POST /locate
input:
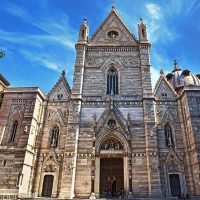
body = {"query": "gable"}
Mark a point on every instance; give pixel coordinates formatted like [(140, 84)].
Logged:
[(163, 90), (112, 113), (61, 91), (112, 31)]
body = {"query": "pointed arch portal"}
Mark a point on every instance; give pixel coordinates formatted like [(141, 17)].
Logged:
[(47, 186), (111, 167), (111, 177)]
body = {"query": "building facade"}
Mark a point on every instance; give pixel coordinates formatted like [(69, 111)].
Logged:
[(108, 135)]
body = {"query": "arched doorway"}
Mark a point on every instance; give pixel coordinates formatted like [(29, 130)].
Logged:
[(111, 177), (175, 185), (47, 185)]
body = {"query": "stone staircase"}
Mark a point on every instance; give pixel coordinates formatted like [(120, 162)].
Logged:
[(158, 198), (14, 197)]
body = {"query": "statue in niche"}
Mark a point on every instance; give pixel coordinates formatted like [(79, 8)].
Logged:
[(53, 143), (117, 145), (111, 144), (169, 138), (54, 137), (170, 141), (25, 129), (106, 146)]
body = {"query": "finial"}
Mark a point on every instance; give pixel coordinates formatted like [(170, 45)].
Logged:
[(161, 72), (85, 20), (63, 73), (2, 54), (176, 67), (175, 63), (141, 20), (113, 5)]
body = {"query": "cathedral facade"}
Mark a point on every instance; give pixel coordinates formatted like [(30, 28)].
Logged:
[(108, 135)]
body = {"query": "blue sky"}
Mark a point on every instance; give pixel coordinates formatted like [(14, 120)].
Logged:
[(38, 36)]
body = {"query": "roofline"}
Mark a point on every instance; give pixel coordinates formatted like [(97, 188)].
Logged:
[(25, 90), (99, 27), (158, 83), (6, 83)]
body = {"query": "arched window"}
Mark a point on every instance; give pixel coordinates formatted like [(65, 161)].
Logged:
[(112, 81), (169, 136), (83, 32), (143, 33), (13, 132), (54, 137)]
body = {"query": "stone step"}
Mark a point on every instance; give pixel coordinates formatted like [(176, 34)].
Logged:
[(160, 198)]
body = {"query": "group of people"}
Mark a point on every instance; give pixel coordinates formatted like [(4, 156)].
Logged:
[(183, 196), (108, 194)]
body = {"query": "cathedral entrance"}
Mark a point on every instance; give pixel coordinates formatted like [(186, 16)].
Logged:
[(175, 184), (111, 177), (47, 185)]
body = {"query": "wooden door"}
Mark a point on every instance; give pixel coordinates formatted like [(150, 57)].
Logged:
[(175, 184), (47, 185), (111, 177)]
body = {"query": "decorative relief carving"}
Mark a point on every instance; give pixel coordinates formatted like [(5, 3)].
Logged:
[(154, 165), (17, 110), (95, 62), (50, 168), (129, 61), (165, 113), (111, 144), (59, 115), (173, 167)]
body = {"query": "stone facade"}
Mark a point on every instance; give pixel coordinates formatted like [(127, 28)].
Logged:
[(110, 134)]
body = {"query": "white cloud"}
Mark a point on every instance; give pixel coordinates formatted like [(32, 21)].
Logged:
[(41, 59), (158, 29), (56, 38), (154, 11)]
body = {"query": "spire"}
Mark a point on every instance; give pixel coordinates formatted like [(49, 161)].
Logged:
[(142, 31), (84, 31)]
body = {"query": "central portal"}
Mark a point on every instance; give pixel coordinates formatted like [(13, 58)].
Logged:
[(111, 177)]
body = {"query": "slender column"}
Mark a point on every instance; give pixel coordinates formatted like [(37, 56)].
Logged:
[(126, 175), (97, 177), (55, 185), (2, 134)]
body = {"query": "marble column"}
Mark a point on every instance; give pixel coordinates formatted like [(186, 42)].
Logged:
[(126, 175), (97, 177)]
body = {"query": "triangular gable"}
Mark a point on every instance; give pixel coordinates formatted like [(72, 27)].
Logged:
[(172, 162), (168, 115), (56, 116), (112, 22), (61, 90), (112, 113), (164, 90)]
